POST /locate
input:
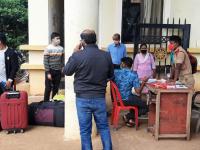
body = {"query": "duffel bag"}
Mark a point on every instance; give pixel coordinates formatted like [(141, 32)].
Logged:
[(50, 113)]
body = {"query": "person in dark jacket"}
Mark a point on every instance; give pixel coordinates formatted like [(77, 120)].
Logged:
[(92, 68), (8, 64)]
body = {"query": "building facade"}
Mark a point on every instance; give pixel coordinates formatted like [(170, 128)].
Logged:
[(71, 17)]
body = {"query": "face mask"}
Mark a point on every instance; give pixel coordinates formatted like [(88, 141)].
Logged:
[(143, 51), (171, 47), (116, 43)]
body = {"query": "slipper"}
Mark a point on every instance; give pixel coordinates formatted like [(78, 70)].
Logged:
[(125, 119), (130, 123)]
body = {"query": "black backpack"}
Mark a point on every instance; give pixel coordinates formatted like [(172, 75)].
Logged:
[(21, 74), (193, 62)]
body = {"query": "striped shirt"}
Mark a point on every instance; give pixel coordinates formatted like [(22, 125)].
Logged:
[(53, 57)]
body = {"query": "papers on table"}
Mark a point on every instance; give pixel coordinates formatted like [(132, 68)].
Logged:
[(181, 86), (171, 86), (168, 85), (177, 86), (151, 80)]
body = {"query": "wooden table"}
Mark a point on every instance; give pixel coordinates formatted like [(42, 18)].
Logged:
[(169, 112)]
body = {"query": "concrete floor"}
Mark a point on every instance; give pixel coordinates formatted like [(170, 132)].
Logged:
[(51, 138)]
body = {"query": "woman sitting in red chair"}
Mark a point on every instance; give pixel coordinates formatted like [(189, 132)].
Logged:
[(130, 89)]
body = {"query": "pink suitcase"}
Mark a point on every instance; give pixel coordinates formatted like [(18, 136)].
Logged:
[(14, 111)]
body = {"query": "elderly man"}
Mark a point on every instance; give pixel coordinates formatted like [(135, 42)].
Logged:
[(92, 68), (117, 51)]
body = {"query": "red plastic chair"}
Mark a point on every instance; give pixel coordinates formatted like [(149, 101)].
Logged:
[(118, 105)]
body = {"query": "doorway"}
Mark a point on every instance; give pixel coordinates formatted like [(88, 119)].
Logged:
[(56, 24)]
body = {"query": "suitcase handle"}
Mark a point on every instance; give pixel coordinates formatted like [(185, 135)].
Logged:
[(13, 94), (56, 101)]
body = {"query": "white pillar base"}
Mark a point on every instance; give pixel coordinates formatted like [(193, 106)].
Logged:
[(71, 123), (79, 15)]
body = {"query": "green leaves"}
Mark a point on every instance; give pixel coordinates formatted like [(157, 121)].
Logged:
[(14, 21)]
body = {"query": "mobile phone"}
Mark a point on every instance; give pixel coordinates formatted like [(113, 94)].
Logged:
[(82, 44)]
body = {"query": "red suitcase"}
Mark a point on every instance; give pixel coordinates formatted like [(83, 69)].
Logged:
[(14, 111)]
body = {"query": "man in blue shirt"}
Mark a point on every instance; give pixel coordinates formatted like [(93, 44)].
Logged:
[(117, 51), (129, 86)]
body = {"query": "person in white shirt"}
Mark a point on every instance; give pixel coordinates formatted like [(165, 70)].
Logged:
[(9, 64)]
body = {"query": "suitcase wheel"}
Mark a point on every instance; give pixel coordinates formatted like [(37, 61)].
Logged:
[(15, 131), (22, 130)]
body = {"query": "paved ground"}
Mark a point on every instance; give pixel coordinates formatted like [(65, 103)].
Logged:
[(51, 138)]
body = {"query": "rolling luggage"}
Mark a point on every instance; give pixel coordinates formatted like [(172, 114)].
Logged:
[(50, 113), (14, 111)]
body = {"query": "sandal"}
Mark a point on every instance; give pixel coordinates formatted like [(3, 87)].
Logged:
[(130, 123)]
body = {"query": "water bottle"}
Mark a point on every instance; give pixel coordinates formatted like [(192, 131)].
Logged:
[(168, 76), (3, 85)]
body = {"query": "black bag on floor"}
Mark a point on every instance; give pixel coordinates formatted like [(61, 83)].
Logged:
[(49, 113)]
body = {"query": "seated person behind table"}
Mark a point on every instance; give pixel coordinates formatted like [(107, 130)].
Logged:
[(126, 79), (117, 51)]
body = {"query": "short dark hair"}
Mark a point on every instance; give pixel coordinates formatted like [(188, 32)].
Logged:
[(54, 34), (143, 44), (116, 36), (127, 61), (89, 36), (176, 39), (3, 38)]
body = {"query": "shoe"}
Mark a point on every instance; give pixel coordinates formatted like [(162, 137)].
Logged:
[(130, 123)]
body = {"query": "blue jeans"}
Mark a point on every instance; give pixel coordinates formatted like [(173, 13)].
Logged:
[(85, 109)]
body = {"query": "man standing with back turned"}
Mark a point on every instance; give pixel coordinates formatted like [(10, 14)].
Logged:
[(92, 68)]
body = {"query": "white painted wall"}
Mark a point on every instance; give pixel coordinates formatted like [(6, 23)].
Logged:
[(79, 15), (166, 10), (38, 22), (110, 16), (188, 9), (42, 23)]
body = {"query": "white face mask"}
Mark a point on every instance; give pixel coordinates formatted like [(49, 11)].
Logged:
[(116, 42)]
